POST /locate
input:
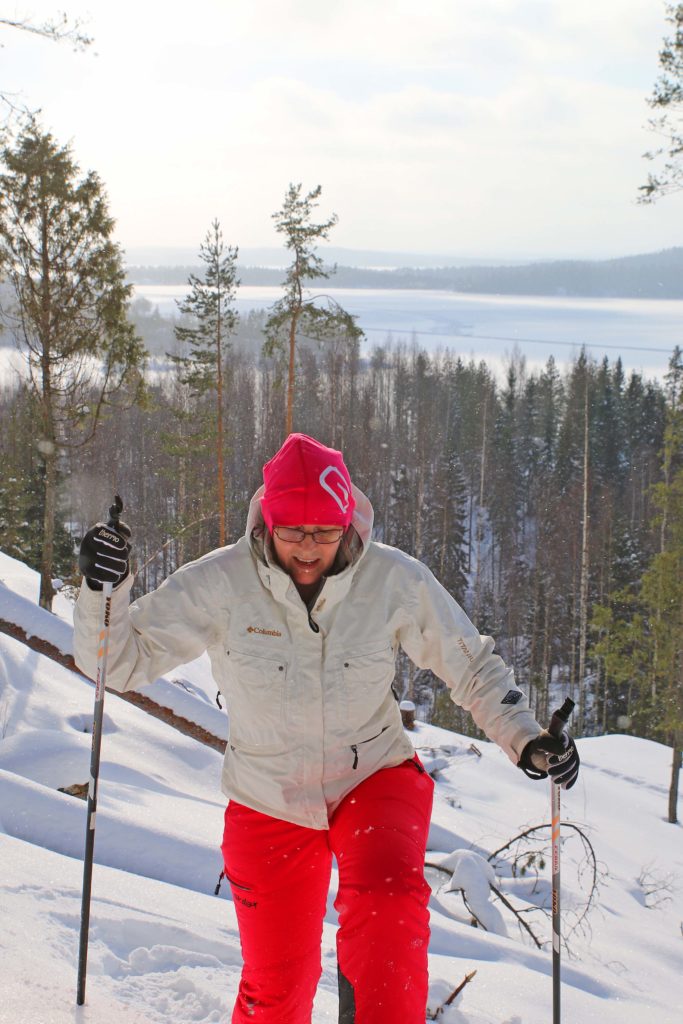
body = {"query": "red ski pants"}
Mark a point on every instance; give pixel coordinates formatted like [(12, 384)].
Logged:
[(280, 875)]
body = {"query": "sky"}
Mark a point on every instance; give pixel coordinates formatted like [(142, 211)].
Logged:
[(474, 128), (164, 949)]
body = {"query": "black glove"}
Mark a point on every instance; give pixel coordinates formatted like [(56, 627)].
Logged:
[(104, 555), (556, 756)]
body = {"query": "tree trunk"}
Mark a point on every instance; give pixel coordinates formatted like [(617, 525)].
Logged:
[(583, 587), (480, 517), (673, 789), (470, 513), (533, 643), (289, 422), (47, 552), (47, 446), (180, 508), (546, 667), (419, 499), (676, 738), (219, 436)]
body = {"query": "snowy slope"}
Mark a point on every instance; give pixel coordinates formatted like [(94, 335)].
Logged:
[(164, 948), (189, 690)]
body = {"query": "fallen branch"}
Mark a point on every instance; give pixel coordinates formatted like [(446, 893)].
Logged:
[(517, 914), (501, 897), (456, 992), (595, 872)]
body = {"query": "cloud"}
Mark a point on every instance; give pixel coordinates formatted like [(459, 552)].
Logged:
[(454, 124)]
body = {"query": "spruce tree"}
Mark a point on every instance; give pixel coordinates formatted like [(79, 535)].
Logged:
[(401, 519), (445, 543), (640, 636)]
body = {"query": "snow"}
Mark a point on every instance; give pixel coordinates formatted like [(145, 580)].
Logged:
[(164, 948), (474, 876), (19, 589), (189, 690)]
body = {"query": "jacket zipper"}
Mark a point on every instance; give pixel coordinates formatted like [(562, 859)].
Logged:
[(310, 607), (355, 746)]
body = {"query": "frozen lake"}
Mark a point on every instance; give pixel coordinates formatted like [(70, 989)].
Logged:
[(643, 331)]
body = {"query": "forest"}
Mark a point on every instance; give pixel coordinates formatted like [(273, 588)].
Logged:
[(485, 483)]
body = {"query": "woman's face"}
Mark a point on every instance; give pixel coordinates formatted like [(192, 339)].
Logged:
[(306, 562)]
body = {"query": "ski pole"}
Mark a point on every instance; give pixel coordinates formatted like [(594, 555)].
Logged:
[(101, 681), (557, 726)]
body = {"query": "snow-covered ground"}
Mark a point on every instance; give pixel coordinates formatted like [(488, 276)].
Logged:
[(189, 691), (164, 948)]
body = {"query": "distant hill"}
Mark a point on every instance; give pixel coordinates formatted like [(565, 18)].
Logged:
[(648, 276), (263, 256)]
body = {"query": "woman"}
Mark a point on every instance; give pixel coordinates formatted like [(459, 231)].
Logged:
[(302, 619)]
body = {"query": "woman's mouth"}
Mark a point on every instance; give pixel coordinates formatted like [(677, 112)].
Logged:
[(306, 564)]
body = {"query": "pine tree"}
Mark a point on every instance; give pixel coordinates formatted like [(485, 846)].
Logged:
[(667, 101), (212, 320), (316, 317), (68, 305)]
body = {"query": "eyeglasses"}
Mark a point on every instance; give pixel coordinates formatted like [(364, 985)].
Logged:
[(290, 535)]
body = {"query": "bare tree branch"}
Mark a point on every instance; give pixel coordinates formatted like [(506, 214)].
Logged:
[(57, 30)]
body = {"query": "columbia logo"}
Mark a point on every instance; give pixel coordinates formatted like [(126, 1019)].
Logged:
[(263, 632)]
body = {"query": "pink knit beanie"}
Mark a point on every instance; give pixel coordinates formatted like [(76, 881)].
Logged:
[(306, 482)]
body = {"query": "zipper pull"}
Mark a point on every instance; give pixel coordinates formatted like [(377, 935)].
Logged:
[(354, 748)]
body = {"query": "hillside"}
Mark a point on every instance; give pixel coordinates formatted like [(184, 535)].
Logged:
[(165, 949), (647, 276)]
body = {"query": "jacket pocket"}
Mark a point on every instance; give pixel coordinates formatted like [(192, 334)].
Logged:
[(360, 743), (367, 675), (257, 700)]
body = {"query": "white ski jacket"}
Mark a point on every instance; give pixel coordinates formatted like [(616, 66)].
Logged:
[(309, 696)]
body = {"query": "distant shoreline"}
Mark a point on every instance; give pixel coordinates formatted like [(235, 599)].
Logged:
[(650, 276)]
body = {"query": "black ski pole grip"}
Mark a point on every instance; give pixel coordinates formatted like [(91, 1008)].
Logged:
[(115, 511), (561, 717)]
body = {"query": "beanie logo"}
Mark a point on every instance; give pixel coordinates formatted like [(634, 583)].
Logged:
[(338, 489)]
